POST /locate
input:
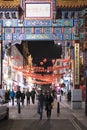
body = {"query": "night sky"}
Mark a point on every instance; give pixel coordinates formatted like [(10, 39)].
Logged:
[(44, 49)]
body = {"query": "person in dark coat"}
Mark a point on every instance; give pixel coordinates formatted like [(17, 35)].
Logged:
[(28, 94), (40, 103), (69, 96), (18, 94), (7, 96), (23, 97), (54, 93), (33, 95), (48, 103)]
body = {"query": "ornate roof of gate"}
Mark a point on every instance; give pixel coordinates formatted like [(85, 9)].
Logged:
[(59, 3), (9, 3), (71, 3)]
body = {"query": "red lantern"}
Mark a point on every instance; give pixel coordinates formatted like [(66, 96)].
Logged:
[(41, 63), (44, 60), (53, 61), (17, 57)]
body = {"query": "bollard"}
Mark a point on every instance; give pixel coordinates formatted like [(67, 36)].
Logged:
[(58, 108), (58, 105), (19, 107)]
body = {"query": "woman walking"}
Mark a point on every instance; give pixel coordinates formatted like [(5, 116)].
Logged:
[(49, 101)]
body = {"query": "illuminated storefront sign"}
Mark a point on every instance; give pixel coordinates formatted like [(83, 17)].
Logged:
[(76, 71)]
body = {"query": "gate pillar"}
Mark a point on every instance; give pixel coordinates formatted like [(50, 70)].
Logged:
[(76, 94)]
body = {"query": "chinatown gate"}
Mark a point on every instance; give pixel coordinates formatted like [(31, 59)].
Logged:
[(41, 24)]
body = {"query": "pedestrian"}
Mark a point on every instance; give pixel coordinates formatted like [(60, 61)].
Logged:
[(23, 97), (54, 93), (48, 103), (40, 103), (18, 94), (69, 96), (12, 96), (33, 95), (7, 96), (28, 94)]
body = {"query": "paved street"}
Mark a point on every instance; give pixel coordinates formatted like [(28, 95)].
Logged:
[(32, 124), (29, 119)]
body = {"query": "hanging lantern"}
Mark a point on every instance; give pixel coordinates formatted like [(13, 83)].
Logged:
[(12, 57), (53, 61), (41, 63), (17, 57), (44, 60)]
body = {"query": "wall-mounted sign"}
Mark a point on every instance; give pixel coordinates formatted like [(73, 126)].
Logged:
[(38, 37), (76, 66), (38, 10), (37, 23), (37, 29)]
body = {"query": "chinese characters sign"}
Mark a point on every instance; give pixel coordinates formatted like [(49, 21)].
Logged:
[(38, 10), (76, 71)]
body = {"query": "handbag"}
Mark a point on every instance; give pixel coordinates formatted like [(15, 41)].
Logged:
[(52, 104)]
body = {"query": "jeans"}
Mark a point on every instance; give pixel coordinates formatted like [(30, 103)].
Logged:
[(40, 111)]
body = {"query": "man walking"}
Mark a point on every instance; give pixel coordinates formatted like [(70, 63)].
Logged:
[(40, 104), (28, 94), (33, 95)]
